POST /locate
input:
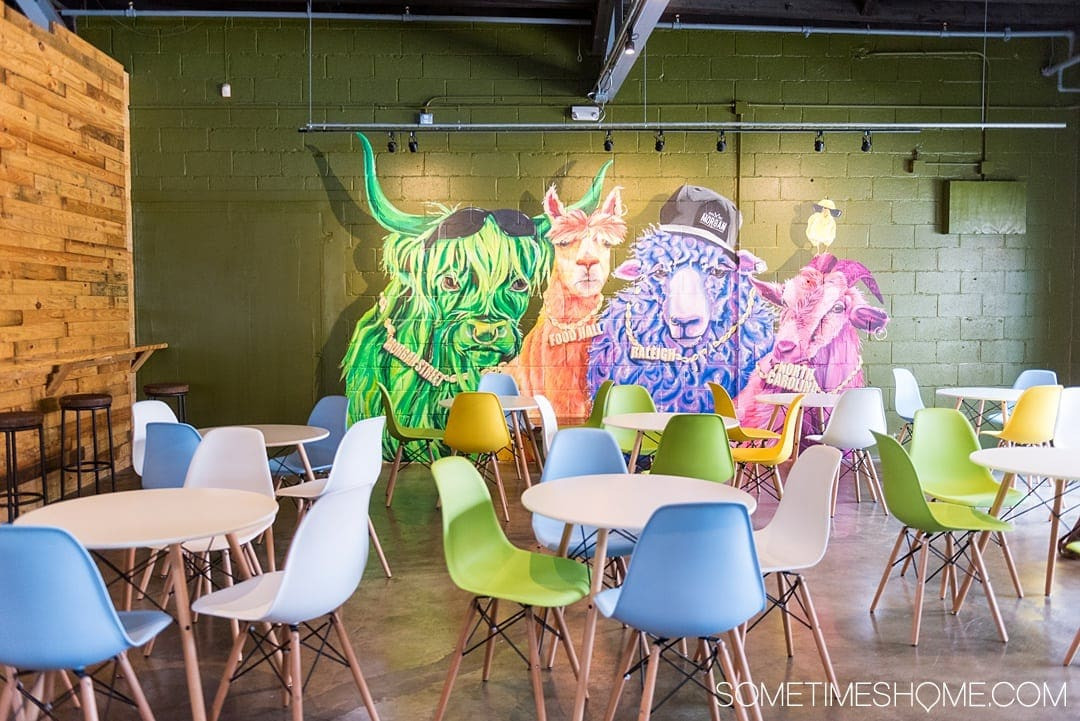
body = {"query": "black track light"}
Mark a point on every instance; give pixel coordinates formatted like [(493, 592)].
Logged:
[(867, 141), (629, 48), (609, 143), (391, 144), (414, 144), (721, 142), (819, 142), (659, 141)]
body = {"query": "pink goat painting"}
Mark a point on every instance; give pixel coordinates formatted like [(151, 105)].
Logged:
[(817, 346), (554, 353)]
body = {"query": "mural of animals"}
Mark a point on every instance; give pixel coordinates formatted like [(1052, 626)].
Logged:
[(817, 341), (555, 352), (692, 309)]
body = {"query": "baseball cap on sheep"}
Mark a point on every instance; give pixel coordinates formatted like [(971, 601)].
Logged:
[(703, 213)]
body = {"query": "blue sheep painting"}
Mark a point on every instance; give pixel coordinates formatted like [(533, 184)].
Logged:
[(690, 315)]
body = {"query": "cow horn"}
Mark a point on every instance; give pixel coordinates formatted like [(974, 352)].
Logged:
[(587, 203), (384, 211), (855, 271)]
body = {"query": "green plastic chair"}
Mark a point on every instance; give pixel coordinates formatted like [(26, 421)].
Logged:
[(927, 523), (695, 445), (942, 441), (630, 399), (483, 562), (596, 413), (405, 435)]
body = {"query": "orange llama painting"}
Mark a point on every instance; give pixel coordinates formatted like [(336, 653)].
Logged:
[(554, 354)]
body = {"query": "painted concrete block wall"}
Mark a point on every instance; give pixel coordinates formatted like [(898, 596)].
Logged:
[(255, 251)]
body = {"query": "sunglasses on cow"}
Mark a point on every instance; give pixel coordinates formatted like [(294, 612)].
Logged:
[(463, 223)]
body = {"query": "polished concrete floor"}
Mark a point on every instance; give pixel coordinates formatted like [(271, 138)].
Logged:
[(404, 629)]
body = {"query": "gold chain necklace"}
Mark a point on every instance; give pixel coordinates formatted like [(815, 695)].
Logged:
[(670, 355), (425, 370), (801, 379), (589, 318)]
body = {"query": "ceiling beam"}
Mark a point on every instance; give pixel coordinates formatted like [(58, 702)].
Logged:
[(636, 28), (40, 12), (602, 25)]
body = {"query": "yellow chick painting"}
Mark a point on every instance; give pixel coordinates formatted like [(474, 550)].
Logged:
[(821, 227)]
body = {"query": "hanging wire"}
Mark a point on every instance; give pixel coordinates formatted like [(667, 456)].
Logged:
[(310, 28)]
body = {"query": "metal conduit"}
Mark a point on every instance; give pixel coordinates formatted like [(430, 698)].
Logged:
[(736, 127)]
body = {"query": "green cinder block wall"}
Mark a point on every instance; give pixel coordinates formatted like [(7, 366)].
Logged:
[(255, 251)]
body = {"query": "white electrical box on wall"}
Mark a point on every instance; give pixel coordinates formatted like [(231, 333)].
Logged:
[(589, 113)]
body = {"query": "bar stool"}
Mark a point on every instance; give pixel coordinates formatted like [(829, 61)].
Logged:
[(78, 404), (163, 391), (11, 423)]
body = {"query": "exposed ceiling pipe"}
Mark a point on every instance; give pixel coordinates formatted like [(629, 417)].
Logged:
[(689, 127), (288, 15)]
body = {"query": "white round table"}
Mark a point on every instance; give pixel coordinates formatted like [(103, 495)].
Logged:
[(649, 422), (616, 500), (975, 398), (516, 407), (1060, 464), (156, 518), (276, 435)]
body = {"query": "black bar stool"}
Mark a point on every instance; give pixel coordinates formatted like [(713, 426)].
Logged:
[(164, 391), (78, 404), (11, 423)]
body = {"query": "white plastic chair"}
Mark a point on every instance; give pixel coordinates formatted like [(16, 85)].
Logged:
[(1067, 429), (357, 462), (796, 539), (906, 401), (143, 412), (549, 424), (322, 570), (858, 412)]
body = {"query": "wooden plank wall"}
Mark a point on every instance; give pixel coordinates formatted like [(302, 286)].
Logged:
[(65, 224)]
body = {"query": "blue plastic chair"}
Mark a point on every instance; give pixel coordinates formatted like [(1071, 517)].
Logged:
[(331, 413), (57, 612), (500, 384), (694, 574), (169, 448), (580, 452)]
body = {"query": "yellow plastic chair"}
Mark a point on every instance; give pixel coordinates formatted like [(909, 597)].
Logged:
[(762, 463), (723, 405), (1034, 419), (476, 426)]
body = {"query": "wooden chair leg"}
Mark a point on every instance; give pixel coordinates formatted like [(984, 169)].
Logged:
[(552, 648), (136, 689), (86, 693), (393, 473), (738, 647), (1010, 564), (489, 645), (621, 670), (778, 482), (226, 561), (271, 557), (455, 662), (652, 669), (7, 695), (226, 678), (815, 629), (991, 599), (65, 679), (378, 549), (888, 567), (788, 641), (710, 679), (876, 481), (1073, 647), (947, 568), (297, 674), (908, 560), (920, 588), (499, 486), (354, 666), (144, 584), (567, 643), (732, 679), (856, 475), (129, 568), (534, 663)]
